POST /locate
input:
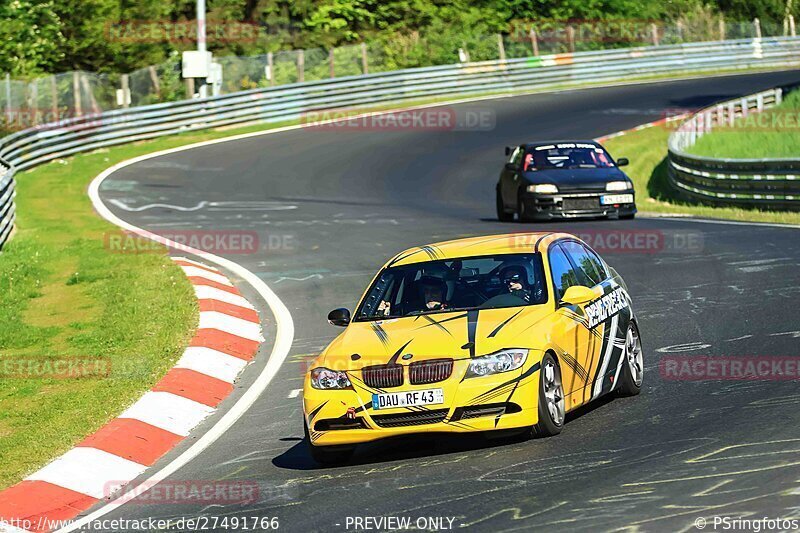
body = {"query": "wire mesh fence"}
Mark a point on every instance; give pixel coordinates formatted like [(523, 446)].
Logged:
[(58, 97)]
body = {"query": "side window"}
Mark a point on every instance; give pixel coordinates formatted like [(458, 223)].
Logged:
[(598, 263), (561, 271), (516, 156), (586, 270)]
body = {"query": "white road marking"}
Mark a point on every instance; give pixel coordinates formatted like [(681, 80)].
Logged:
[(196, 263), (205, 274), (204, 292), (294, 393), (88, 471), (231, 324), (168, 411), (211, 363), (126, 207)]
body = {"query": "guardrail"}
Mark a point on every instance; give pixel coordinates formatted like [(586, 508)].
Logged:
[(769, 183), (7, 207), (33, 146)]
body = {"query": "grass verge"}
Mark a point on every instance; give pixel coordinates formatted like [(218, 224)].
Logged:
[(771, 133), (647, 150)]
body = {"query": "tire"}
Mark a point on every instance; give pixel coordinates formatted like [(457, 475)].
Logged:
[(522, 215), (551, 399), (630, 384), (502, 214), (328, 455)]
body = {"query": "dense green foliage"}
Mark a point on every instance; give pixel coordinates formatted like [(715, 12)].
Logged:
[(40, 36)]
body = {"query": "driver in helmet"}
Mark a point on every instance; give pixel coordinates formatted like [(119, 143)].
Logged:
[(433, 293), (515, 279)]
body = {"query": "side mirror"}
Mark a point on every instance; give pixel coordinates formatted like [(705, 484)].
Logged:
[(339, 317), (622, 161), (511, 166), (578, 295), (509, 150)]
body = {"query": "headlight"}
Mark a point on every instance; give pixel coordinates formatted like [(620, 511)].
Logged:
[(496, 363), (543, 188), (325, 379), (618, 186)]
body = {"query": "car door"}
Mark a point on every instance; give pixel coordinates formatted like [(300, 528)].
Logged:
[(509, 178), (570, 332), (608, 335)]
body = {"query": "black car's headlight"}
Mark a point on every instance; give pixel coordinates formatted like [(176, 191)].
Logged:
[(327, 379), (543, 188), (502, 361), (618, 186)]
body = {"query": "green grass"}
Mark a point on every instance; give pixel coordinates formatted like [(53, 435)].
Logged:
[(64, 295), (772, 133), (647, 150)]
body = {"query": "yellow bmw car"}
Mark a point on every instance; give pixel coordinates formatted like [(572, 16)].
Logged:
[(507, 332)]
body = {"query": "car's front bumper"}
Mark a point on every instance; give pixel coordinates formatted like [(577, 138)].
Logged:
[(501, 401), (574, 205)]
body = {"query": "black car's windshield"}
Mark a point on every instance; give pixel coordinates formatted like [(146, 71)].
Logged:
[(487, 282), (566, 156)]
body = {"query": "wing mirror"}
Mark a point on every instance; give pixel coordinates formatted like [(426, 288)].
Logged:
[(578, 295), (339, 317), (622, 161)]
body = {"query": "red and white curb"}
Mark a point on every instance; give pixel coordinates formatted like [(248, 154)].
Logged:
[(660, 122), (226, 340)]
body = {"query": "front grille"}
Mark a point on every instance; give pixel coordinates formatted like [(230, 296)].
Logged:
[(383, 376), (410, 419), (430, 371), (580, 204)]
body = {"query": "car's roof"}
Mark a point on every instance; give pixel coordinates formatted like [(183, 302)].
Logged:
[(509, 243), (562, 141)]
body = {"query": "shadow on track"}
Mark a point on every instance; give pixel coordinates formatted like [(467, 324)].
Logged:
[(423, 445)]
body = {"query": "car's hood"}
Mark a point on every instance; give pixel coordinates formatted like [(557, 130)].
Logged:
[(457, 335), (579, 178)]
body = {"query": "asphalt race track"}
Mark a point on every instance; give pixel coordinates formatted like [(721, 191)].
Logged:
[(330, 206)]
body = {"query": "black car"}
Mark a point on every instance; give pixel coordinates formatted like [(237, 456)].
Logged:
[(563, 179)]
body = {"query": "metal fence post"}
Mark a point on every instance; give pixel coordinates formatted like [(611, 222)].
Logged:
[(791, 26), (126, 89), (34, 101), (654, 33), (757, 27), (534, 42), (301, 66), (331, 67), (571, 38), (364, 64), (154, 79), (679, 26), (76, 94), (53, 97), (8, 97), (271, 68), (721, 28), (500, 48)]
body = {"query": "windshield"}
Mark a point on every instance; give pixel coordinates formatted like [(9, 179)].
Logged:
[(487, 282), (566, 156)]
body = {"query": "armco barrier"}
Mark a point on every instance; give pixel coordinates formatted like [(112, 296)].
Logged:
[(769, 183), (33, 146)]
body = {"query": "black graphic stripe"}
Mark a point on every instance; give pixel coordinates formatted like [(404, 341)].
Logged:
[(576, 367), (536, 246), (393, 360), (316, 411), (381, 333), (521, 377), (434, 322), (503, 324), (472, 327)]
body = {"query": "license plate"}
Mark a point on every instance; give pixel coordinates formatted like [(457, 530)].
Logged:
[(616, 199), (392, 400)]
